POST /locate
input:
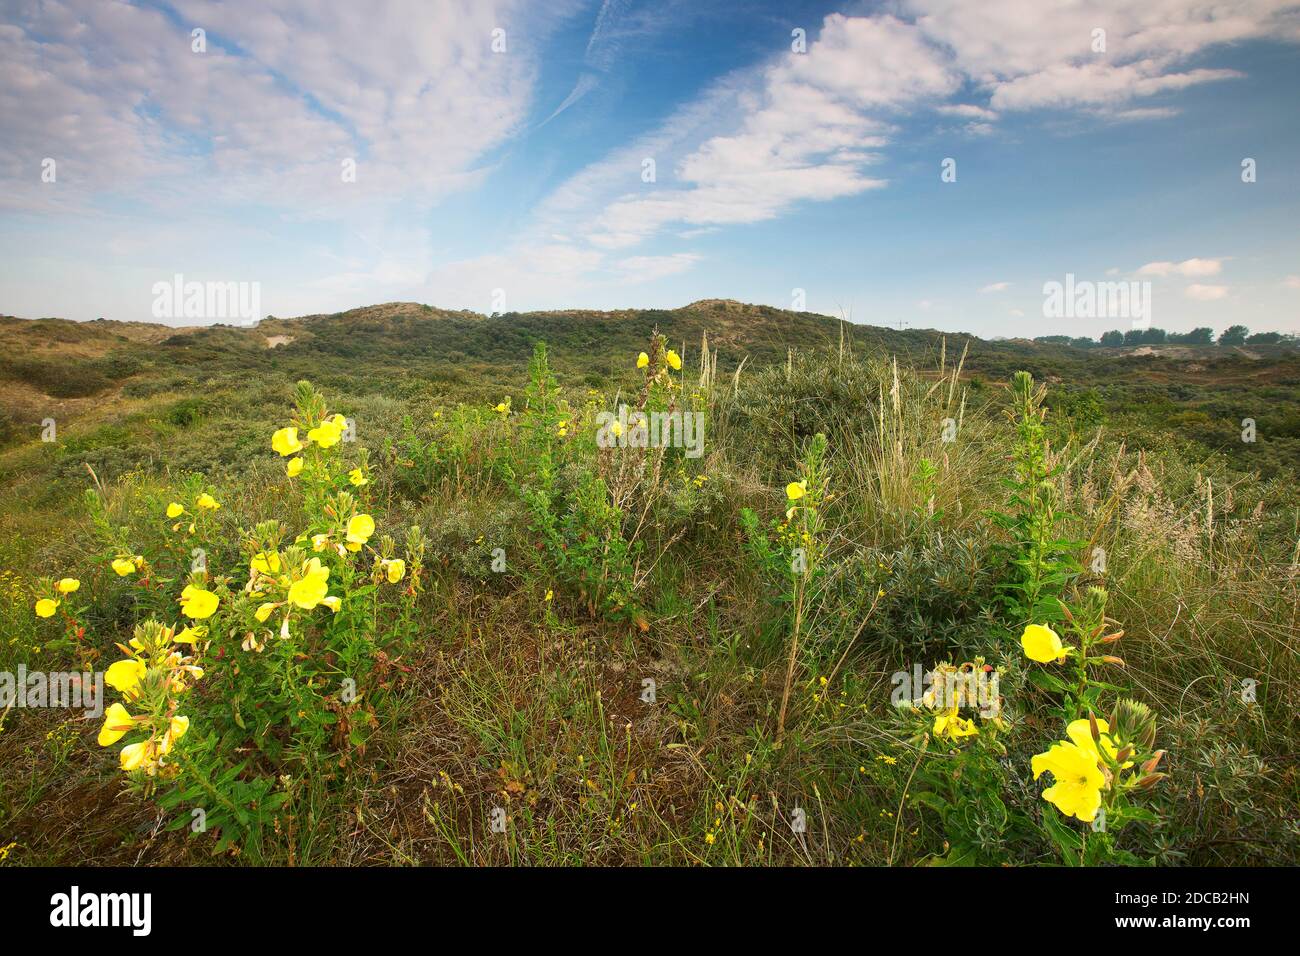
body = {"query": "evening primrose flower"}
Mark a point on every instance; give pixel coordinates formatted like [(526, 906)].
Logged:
[(263, 612), (189, 635), (294, 467), (205, 500), (1079, 781), (46, 607), (117, 721), (396, 569), (333, 602), (954, 727), (125, 676), (674, 360), (285, 441), (796, 490), (175, 509), (177, 729), (267, 562), (1080, 731), (357, 478), (1041, 643), (197, 603), (327, 433), (133, 756), (642, 360), (124, 566), (360, 528), (68, 585), (309, 590)]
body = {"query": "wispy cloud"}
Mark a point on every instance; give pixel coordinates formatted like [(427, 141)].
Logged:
[(1205, 293), (1189, 268)]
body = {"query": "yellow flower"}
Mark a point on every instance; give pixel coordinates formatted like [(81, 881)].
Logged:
[(1042, 644), (133, 756), (68, 585), (642, 360), (550, 595), (189, 635), (175, 509), (357, 478), (267, 562), (360, 528), (615, 429), (674, 360), (178, 728), (310, 589), (197, 603), (502, 407), (205, 500), (116, 723), (294, 468), (396, 570), (796, 490), (319, 542), (954, 727), (285, 441), (333, 602), (263, 612), (46, 608), (327, 433), (124, 566), (1077, 790), (1080, 732), (708, 838), (125, 676)]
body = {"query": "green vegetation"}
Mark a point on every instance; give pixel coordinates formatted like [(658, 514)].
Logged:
[(640, 656)]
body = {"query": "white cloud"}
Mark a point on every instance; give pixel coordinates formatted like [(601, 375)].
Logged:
[(966, 111), (1040, 55), (283, 94), (1189, 268), (1205, 293), (1291, 282), (649, 268), (996, 287)]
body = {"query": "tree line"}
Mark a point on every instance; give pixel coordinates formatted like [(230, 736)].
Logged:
[(1232, 335)]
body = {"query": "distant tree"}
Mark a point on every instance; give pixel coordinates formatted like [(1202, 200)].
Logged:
[(1112, 339), (1082, 342), (1264, 338), (1133, 337), (1234, 335), (1054, 339), (1155, 336), (1198, 336)]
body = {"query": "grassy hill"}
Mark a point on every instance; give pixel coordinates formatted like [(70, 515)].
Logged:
[(945, 504)]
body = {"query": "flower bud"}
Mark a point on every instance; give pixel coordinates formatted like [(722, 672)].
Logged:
[(1151, 764)]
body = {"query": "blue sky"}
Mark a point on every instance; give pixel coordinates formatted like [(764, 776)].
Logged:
[(513, 178)]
